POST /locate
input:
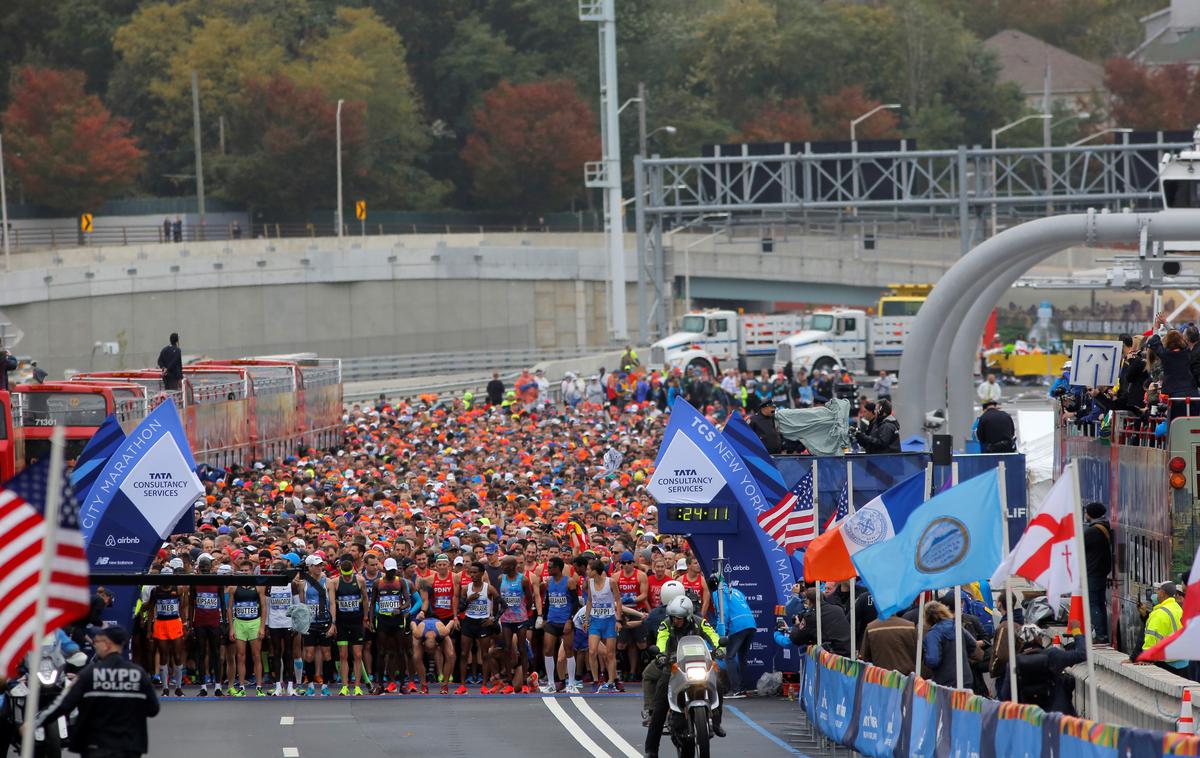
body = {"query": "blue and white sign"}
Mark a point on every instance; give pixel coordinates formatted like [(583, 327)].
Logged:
[(146, 487), (1095, 363)]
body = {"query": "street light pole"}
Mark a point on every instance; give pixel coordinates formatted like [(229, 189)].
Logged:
[(1101, 133), (199, 154), (338, 129), (996, 133), (4, 208), (854, 140), (641, 98)]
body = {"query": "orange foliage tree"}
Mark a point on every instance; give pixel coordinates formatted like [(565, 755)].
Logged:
[(529, 144), (1158, 98), (69, 152)]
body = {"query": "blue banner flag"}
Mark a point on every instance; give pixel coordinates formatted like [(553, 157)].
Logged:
[(147, 486), (954, 538), (699, 465), (95, 454)]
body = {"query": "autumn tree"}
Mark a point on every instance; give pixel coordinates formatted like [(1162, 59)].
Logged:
[(1143, 98), (837, 109), (529, 145), (283, 147), (784, 121), (67, 149)]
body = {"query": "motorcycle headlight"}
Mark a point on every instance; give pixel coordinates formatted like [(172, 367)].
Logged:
[(695, 672)]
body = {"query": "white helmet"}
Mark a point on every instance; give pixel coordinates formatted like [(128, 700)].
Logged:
[(680, 607), (671, 590)]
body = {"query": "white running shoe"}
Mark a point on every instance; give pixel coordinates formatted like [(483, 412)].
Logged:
[(278, 689), (548, 689), (291, 689), (572, 688)]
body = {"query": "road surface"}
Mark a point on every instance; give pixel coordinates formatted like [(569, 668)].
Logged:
[(603, 726)]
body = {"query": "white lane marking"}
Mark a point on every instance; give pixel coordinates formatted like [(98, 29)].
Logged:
[(287, 720), (291, 752), (612, 735), (573, 729)]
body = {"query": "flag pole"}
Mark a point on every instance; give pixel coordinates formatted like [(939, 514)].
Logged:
[(921, 595), (1093, 705), (853, 579), (54, 485), (1008, 597), (817, 513), (958, 627)]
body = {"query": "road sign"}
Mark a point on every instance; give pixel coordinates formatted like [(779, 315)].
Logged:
[(85, 222), (360, 210), (1095, 363)]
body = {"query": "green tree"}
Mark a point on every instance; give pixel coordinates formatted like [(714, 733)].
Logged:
[(739, 56), (362, 59)]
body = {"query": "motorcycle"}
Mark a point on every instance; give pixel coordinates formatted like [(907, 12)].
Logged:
[(52, 672), (692, 696)]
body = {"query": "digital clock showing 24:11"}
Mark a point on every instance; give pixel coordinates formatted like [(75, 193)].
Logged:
[(698, 513)]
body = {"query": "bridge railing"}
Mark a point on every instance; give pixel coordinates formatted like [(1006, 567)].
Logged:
[(373, 368)]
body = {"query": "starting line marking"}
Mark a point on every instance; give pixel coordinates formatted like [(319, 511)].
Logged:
[(287, 720), (291, 752), (573, 729), (616, 739)]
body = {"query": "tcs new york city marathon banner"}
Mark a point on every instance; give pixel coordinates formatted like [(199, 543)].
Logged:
[(717, 474), (145, 489)]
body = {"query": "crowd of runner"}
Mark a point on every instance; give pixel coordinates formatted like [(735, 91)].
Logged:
[(506, 545)]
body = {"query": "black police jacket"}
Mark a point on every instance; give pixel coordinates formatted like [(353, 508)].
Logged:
[(114, 697)]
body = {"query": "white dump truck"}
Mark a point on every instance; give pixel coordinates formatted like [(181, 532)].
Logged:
[(854, 339), (712, 340)]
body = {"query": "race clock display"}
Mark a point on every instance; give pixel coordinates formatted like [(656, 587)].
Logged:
[(698, 519)]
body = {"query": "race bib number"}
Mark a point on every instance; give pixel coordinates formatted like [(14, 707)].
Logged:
[(558, 601), (477, 608), (442, 601), (389, 604), (168, 607), (245, 610), (280, 602), (512, 599), (207, 602), (603, 611), (348, 605), (628, 597)]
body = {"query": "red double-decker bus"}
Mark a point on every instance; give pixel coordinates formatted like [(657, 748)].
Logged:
[(78, 407), (12, 439)]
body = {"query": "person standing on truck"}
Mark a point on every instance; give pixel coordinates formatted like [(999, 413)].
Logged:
[(629, 359), (170, 360), (1097, 551)]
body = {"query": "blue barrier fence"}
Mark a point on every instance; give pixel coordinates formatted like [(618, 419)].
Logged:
[(885, 714)]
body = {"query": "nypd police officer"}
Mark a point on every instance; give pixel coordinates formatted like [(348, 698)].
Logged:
[(114, 697)]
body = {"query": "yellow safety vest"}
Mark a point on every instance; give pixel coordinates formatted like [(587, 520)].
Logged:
[(1164, 620)]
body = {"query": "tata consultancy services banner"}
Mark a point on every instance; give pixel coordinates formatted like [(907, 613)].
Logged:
[(147, 485)]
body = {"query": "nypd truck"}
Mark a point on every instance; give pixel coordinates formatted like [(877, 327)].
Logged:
[(712, 340)]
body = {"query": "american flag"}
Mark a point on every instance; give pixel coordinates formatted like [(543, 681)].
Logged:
[(792, 522), (842, 510), (22, 540)]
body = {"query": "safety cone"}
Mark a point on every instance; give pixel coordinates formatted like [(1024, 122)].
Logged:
[(1057, 640), (1186, 725)]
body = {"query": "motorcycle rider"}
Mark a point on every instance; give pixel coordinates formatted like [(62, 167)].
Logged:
[(114, 697), (681, 622)]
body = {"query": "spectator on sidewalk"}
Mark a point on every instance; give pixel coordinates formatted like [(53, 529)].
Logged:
[(989, 390)]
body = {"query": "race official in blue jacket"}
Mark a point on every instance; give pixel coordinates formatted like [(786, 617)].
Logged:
[(734, 620)]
